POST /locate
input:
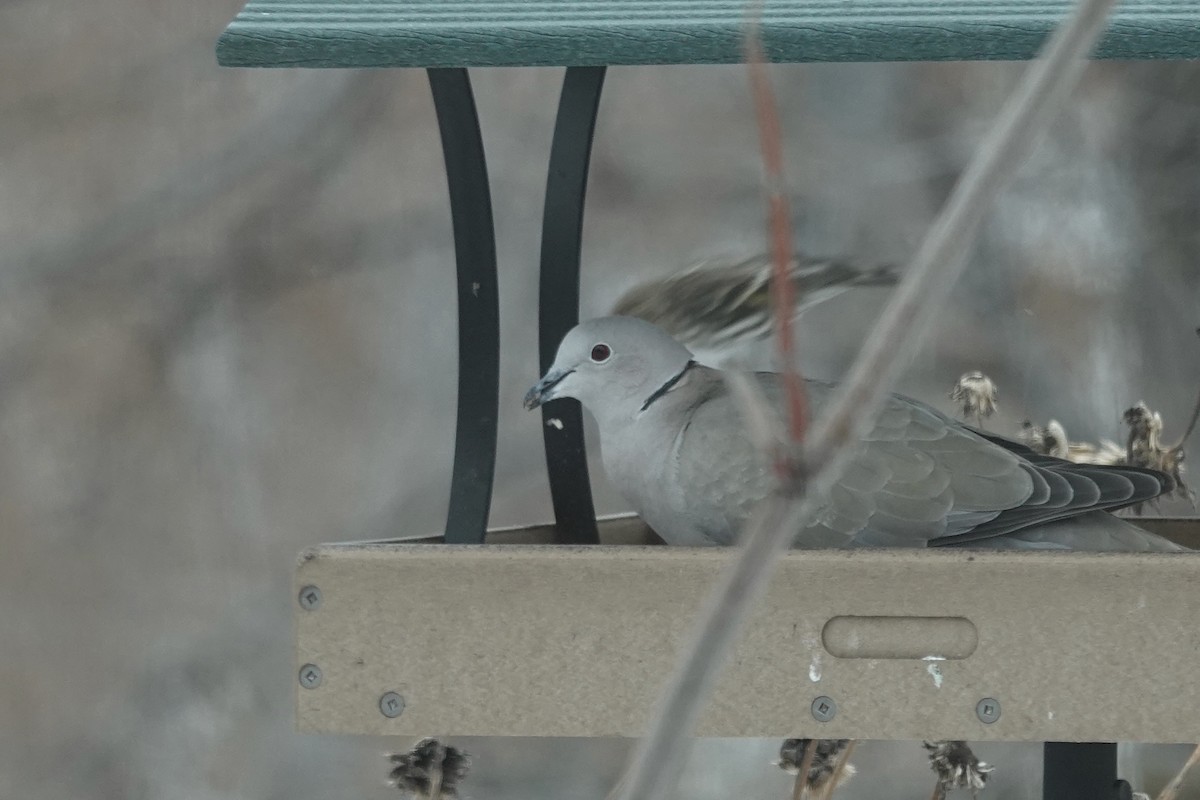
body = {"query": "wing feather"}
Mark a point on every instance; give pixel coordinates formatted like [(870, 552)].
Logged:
[(917, 479)]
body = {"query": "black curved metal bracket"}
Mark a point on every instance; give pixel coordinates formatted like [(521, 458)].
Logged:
[(478, 307), (558, 300)]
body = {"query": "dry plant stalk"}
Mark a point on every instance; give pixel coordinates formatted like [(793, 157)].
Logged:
[(1171, 791), (657, 760), (1191, 426), (800, 787), (779, 220), (762, 424), (841, 767), (1144, 447)]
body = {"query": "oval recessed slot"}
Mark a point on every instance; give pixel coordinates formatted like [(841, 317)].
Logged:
[(932, 638)]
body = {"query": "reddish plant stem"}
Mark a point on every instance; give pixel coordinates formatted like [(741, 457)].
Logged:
[(657, 760), (783, 291)]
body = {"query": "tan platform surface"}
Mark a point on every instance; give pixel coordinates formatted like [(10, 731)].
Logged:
[(533, 640)]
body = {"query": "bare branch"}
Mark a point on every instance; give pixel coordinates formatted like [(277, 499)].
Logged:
[(1172, 788), (834, 779), (762, 423), (800, 787), (655, 764), (783, 299), (1191, 426)]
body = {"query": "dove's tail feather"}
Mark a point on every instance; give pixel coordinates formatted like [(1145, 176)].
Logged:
[(1064, 489), (1097, 531)]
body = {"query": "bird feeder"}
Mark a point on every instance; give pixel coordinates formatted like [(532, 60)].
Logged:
[(527, 632)]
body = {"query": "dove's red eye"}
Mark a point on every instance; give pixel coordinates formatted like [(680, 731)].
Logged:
[(600, 353)]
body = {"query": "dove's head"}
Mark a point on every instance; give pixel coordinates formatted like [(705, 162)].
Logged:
[(613, 366)]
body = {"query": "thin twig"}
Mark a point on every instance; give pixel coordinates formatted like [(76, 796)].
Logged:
[(843, 759), (761, 421), (1191, 426), (435, 779), (800, 787), (1172, 788), (779, 215), (655, 764)]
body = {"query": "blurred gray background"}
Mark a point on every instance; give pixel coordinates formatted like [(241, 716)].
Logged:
[(227, 332)]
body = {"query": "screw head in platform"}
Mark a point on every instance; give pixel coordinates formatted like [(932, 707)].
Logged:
[(824, 708), (310, 598), (310, 676), (988, 710), (391, 705)]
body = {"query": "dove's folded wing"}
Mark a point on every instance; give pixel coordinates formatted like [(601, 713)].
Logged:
[(918, 479)]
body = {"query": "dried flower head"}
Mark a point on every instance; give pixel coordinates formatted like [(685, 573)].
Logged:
[(1049, 441), (824, 763), (1145, 434), (1144, 448), (957, 767), (975, 394), (1052, 441), (1106, 452), (430, 770)]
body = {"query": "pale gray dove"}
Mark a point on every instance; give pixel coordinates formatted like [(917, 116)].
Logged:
[(674, 444)]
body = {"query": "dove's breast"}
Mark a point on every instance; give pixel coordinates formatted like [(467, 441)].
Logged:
[(717, 477)]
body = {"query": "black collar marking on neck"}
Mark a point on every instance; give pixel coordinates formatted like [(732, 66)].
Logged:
[(668, 386)]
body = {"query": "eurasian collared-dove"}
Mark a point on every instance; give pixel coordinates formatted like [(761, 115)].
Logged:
[(674, 444)]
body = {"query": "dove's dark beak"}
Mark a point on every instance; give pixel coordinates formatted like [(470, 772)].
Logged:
[(543, 390)]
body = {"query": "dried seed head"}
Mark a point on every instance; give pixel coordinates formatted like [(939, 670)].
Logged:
[(1052, 441), (824, 762), (1145, 433), (956, 766), (1144, 448), (430, 770), (975, 394), (1106, 452), (1034, 437), (1056, 434), (1049, 441)]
